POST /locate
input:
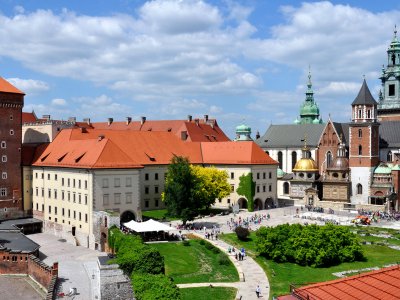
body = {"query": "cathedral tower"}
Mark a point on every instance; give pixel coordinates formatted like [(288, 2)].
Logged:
[(389, 97), (363, 144)]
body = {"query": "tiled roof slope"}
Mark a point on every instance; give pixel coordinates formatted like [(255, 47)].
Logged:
[(389, 132), (28, 117), (383, 284), (235, 153), (197, 130), (278, 136), (6, 87), (95, 148), (364, 96)]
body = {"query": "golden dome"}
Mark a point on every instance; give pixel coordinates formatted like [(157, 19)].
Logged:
[(306, 165)]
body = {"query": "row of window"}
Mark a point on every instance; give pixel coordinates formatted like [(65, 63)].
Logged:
[(75, 182), (64, 196), (147, 190), (64, 213), (147, 202), (359, 188), (117, 182), (258, 175), (147, 176), (117, 198)]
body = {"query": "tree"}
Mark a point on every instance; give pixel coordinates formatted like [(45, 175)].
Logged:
[(177, 193), (247, 188), (210, 184)]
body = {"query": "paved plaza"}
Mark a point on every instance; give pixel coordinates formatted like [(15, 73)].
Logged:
[(77, 265), (19, 287)]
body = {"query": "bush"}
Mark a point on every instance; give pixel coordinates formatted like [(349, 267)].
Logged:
[(242, 233), (186, 243), (223, 259), (141, 260), (202, 242), (150, 287), (216, 250), (208, 246)]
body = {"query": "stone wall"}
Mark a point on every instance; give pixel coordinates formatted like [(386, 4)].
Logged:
[(30, 265)]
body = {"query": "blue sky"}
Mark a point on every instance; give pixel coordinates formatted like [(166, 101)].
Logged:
[(237, 61)]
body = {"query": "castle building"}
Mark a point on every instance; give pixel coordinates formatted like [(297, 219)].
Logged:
[(389, 96), (11, 103)]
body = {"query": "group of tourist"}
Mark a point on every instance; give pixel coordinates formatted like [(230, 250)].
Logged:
[(255, 219)]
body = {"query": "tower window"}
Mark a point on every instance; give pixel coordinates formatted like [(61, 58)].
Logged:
[(389, 156), (4, 158), (328, 159), (4, 175), (360, 113), (369, 114), (359, 150), (360, 133), (280, 159), (11, 131), (391, 90), (359, 189), (3, 144)]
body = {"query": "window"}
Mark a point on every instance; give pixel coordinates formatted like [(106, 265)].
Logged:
[(62, 211), (146, 190), (270, 188), (69, 182), (117, 182), (79, 198), (74, 214), (80, 216), (49, 193), (79, 184), (156, 189), (156, 202), (264, 188), (62, 181), (258, 175), (258, 188), (286, 188), (37, 191), (55, 210), (359, 150), (105, 199), (105, 182), (232, 188), (69, 213), (85, 199), (146, 176), (232, 175), (73, 182), (360, 113), (69, 196), (117, 198), (62, 195), (369, 114), (42, 192), (4, 175), (359, 189), (294, 158), (85, 184), (11, 131), (48, 176), (55, 177), (3, 192), (156, 176), (128, 181), (128, 198), (74, 197), (146, 203), (86, 218), (328, 159), (391, 90), (36, 175), (390, 156), (49, 209), (270, 175), (11, 117), (280, 159), (3, 144), (229, 201), (360, 133), (264, 175), (4, 158)]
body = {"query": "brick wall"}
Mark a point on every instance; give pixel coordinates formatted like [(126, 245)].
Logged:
[(370, 151), (25, 263)]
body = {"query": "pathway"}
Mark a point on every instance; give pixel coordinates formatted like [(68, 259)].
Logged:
[(250, 274)]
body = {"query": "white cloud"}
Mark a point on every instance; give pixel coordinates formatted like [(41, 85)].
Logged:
[(29, 86), (59, 102)]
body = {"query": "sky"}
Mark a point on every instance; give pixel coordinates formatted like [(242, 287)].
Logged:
[(237, 61)]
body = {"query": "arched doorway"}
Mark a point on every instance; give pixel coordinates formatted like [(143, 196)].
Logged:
[(127, 216), (103, 241), (242, 203), (269, 203), (258, 204)]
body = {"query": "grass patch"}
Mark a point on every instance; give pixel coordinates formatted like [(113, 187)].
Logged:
[(281, 275), (159, 214), (207, 293), (195, 263)]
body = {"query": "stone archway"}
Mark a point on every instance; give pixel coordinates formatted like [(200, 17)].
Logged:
[(258, 205), (103, 242), (269, 203), (242, 202), (127, 216)]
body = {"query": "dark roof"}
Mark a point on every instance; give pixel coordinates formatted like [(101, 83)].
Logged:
[(342, 130), (17, 242), (389, 132), (12, 224), (364, 96), (291, 135)]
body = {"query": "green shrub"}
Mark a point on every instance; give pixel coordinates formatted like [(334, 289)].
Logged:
[(151, 287), (202, 242), (216, 250), (242, 233), (208, 246), (141, 260), (186, 243), (223, 259)]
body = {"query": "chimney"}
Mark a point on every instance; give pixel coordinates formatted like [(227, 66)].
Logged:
[(189, 118), (72, 120), (128, 120), (258, 135), (184, 135), (46, 117), (100, 137), (205, 118), (87, 121), (83, 130), (143, 120), (110, 120), (197, 121)]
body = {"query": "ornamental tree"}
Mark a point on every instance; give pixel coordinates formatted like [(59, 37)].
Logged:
[(247, 188)]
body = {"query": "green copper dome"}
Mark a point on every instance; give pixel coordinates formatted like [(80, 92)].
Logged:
[(243, 133), (280, 173), (383, 169)]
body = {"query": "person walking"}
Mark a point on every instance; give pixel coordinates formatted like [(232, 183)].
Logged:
[(258, 291)]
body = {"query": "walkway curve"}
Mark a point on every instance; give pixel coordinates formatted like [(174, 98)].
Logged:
[(250, 275)]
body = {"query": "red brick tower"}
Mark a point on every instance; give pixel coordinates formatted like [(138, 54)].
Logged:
[(11, 103), (363, 144)]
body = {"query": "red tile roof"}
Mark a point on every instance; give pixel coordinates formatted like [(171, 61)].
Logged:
[(383, 284), (28, 117), (77, 148), (198, 130), (6, 87)]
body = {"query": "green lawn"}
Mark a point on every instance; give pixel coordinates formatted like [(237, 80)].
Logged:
[(282, 274), (160, 214), (194, 263), (207, 293)]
